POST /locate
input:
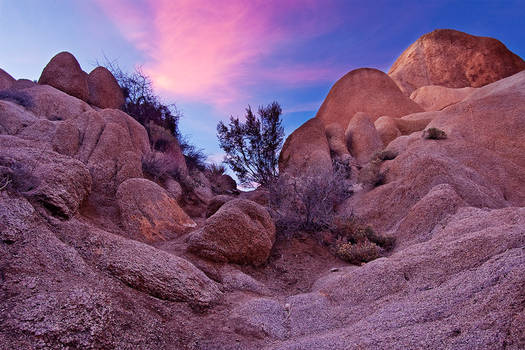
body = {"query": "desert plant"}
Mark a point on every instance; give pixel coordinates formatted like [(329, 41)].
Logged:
[(4, 182), (308, 202), (18, 97), (434, 134), (384, 155), (371, 176), (356, 253), (159, 165), (252, 147)]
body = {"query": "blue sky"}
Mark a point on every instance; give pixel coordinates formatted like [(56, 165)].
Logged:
[(213, 58)]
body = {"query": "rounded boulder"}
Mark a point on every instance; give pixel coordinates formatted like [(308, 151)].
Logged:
[(240, 232), (63, 72)]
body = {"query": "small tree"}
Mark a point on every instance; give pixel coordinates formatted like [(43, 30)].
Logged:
[(252, 147)]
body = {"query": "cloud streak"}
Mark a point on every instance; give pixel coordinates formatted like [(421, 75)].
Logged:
[(214, 51)]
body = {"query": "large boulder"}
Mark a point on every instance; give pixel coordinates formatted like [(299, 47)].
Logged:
[(149, 213), (306, 149), (362, 138), (104, 91), (6, 80), (364, 90), (387, 129), (453, 59), (240, 232), (435, 98), (335, 135), (63, 72), (482, 159), (59, 183), (53, 104)]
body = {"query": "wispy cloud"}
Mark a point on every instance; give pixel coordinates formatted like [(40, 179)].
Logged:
[(213, 51)]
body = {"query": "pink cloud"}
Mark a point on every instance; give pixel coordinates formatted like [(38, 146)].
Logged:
[(211, 50)]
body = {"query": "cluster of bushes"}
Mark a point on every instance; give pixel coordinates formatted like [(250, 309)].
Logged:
[(18, 97), (308, 204)]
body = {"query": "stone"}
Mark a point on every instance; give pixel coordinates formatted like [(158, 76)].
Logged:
[(453, 59), (149, 213), (240, 232), (104, 90), (6, 80), (364, 90), (216, 203), (362, 138), (387, 129), (306, 149), (59, 183), (64, 73), (336, 141), (436, 98)]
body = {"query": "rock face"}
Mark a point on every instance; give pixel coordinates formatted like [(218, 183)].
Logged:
[(453, 59), (435, 98), (64, 73), (149, 213), (362, 138), (5, 80), (240, 232), (104, 91), (364, 90), (306, 148)]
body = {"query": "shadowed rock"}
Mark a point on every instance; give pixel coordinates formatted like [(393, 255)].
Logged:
[(104, 91)]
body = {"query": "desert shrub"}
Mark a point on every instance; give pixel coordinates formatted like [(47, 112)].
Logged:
[(194, 156), (17, 176), (356, 253), (252, 147), (159, 166), (385, 155), (371, 176), (434, 134), (358, 243), (18, 97), (160, 138), (308, 202)]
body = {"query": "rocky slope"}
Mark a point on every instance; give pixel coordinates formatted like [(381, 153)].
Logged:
[(95, 256)]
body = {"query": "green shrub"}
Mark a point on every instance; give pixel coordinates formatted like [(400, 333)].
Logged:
[(434, 134)]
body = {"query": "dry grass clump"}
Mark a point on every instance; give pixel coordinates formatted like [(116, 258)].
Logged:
[(371, 176), (18, 97), (159, 166), (434, 134), (384, 155), (357, 243)]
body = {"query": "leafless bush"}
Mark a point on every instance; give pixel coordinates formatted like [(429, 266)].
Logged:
[(159, 166), (308, 202), (18, 97), (17, 176)]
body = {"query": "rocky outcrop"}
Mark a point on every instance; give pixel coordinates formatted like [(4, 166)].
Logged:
[(481, 159), (306, 149), (435, 98), (216, 203), (64, 73), (6, 80), (59, 183), (362, 138), (336, 141), (149, 213), (104, 91), (240, 232), (364, 90), (453, 59), (387, 129)]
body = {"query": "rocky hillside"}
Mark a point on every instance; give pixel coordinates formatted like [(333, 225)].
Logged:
[(94, 254)]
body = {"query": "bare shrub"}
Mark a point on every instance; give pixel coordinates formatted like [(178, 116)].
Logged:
[(18, 97), (17, 176), (434, 134), (308, 202), (159, 166)]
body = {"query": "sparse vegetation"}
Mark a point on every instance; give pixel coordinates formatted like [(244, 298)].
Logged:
[(384, 155), (308, 202), (18, 97), (434, 134), (357, 243), (371, 175), (146, 107), (252, 147)]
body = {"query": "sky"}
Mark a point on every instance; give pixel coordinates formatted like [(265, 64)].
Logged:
[(213, 58)]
